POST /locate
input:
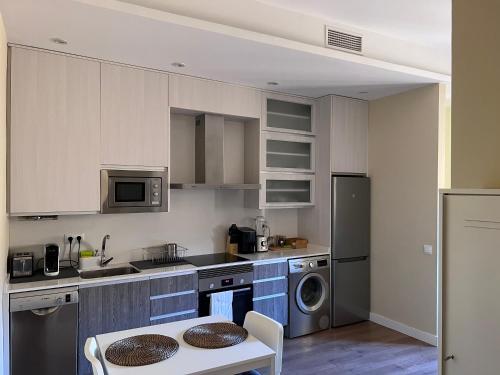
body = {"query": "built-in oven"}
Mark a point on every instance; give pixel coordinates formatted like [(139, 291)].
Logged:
[(124, 191), (239, 279)]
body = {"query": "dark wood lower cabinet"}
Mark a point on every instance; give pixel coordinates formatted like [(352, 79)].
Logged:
[(270, 290), (274, 307), (109, 308), (175, 318)]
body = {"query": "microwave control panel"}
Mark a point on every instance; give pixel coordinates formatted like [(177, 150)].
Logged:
[(156, 191)]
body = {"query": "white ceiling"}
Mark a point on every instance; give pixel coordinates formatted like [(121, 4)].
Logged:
[(114, 31), (426, 22)]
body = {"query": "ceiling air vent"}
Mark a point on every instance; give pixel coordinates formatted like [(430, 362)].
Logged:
[(344, 41)]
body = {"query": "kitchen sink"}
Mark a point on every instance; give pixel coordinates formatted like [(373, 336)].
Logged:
[(108, 272)]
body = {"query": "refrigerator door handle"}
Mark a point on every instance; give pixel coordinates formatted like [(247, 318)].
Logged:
[(355, 259)]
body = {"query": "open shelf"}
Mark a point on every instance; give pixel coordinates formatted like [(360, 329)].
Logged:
[(214, 152)]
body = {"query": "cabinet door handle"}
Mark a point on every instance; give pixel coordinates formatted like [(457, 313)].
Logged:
[(447, 358)]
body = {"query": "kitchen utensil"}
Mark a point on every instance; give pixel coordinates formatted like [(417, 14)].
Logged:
[(262, 244), (21, 265), (296, 242), (51, 260), (141, 350), (215, 335)]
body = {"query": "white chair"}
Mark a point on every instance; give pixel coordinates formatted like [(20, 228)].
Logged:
[(270, 332), (92, 354)]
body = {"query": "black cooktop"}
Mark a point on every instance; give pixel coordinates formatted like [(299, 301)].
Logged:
[(213, 259)]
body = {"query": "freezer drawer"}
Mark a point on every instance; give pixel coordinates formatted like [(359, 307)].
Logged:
[(350, 217), (350, 291)]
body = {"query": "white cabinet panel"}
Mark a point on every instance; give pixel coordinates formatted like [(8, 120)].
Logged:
[(287, 152), (470, 279), (54, 133), (290, 114), (214, 97), (349, 134), (134, 117)]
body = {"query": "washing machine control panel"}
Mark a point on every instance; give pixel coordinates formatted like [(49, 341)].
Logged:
[(307, 264)]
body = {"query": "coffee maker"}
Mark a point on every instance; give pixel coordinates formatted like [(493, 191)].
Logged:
[(51, 260), (245, 238)]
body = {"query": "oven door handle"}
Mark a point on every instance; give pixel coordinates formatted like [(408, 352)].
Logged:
[(234, 291)]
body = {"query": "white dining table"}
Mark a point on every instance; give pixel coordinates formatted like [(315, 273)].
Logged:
[(249, 355)]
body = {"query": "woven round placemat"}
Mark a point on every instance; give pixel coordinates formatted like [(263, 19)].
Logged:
[(141, 350), (215, 335)]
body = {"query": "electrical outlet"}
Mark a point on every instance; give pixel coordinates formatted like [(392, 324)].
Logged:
[(428, 249), (74, 235)]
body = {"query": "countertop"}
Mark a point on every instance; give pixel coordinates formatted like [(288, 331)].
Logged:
[(266, 257), (285, 254)]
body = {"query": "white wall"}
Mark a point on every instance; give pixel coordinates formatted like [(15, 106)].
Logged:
[(4, 224), (403, 166), (198, 220)]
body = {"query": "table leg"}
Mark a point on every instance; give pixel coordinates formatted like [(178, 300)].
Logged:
[(272, 367)]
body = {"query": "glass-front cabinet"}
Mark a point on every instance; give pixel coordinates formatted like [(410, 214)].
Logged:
[(283, 190), (287, 152), (288, 114)]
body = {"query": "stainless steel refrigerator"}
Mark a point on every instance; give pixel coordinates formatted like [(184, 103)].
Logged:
[(350, 250)]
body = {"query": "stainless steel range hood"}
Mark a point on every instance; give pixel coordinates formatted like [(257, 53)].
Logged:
[(210, 156)]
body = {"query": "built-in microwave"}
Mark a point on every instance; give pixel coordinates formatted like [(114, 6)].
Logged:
[(125, 191)]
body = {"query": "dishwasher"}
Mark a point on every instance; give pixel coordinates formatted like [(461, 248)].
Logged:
[(44, 332)]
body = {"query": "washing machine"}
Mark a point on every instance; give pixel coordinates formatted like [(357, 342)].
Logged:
[(308, 295)]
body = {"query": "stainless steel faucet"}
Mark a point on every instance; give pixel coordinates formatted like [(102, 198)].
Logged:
[(105, 261)]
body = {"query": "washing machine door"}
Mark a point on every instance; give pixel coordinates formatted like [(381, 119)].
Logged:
[(311, 293)]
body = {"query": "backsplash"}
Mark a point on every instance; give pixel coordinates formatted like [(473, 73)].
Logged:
[(198, 220)]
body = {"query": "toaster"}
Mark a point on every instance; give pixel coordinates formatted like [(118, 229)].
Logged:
[(22, 265)]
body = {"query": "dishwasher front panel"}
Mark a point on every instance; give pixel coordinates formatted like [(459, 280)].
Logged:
[(44, 341)]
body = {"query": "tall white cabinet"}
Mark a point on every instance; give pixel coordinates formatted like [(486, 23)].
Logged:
[(349, 135), (134, 117), (54, 133), (470, 307)]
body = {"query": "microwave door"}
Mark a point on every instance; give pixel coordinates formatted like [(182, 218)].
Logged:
[(129, 192)]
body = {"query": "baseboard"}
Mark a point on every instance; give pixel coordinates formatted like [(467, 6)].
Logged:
[(403, 328)]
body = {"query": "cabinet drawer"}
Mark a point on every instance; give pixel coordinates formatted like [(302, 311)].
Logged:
[(174, 284), (275, 308), (270, 270), (267, 288), (175, 318), (174, 304)]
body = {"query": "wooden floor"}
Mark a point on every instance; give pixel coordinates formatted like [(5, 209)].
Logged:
[(365, 348)]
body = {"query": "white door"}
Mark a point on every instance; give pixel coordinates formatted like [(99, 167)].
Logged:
[(134, 117), (54, 133), (471, 285), (349, 143)]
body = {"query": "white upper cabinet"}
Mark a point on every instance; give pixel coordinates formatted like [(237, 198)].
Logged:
[(286, 190), (54, 133), (287, 152), (214, 97), (349, 134), (289, 114), (134, 117)]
